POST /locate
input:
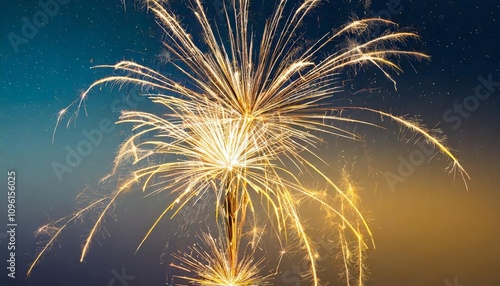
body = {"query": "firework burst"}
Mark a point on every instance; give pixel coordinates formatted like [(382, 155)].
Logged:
[(212, 266), (253, 111)]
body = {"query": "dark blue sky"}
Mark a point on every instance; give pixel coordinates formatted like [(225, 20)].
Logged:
[(429, 228)]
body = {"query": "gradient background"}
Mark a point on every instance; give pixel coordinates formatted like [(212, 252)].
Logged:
[(429, 229)]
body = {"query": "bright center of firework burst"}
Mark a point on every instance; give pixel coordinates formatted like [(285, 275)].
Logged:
[(232, 164)]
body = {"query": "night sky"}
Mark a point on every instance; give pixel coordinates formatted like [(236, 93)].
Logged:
[(428, 228)]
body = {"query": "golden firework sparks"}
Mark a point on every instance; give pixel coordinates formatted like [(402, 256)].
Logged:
[(253, 110), (213, 267)]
